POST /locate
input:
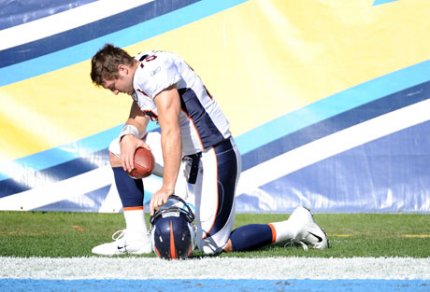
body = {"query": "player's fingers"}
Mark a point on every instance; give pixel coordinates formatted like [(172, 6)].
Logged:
[(158, 203), (155, 202), (163, 200), (151, 207), (123, 163), (125, 159), (128, 161), (131, 161)]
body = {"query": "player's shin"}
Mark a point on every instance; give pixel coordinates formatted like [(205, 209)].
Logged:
[(131, 194), (251, 237)]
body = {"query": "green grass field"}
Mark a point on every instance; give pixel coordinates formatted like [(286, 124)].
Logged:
[(51, 234)]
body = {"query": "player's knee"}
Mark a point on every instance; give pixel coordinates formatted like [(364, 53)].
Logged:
[(114, 160), (228, 247), (114, 153), (114, 147)]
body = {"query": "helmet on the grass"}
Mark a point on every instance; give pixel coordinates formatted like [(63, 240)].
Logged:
[(172, 232)]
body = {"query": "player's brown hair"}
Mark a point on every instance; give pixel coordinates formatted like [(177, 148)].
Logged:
[(104, 64)]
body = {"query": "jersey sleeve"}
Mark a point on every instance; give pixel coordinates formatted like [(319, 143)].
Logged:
[(155, 74)]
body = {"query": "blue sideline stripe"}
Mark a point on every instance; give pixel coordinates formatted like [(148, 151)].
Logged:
[(209, 285), (122, 38), (336, 123), (334, 105), (88, 32)]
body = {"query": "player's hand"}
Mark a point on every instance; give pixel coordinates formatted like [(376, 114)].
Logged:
[(158, 199), (128, 146)]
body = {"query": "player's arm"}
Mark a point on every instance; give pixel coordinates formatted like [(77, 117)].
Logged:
[(169, 107), (134, 129)]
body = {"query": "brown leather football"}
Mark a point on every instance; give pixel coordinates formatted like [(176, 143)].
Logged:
[(143, 163)]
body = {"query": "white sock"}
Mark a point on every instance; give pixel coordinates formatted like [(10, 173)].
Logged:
[(283, 230), (135, 222)]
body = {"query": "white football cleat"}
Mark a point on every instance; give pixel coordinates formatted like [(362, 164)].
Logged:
[(123, 243), (305, 231)]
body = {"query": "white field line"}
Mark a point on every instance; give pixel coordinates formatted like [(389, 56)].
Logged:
[(63, 21), (215, 268)]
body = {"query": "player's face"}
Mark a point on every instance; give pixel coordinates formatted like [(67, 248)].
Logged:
[(123, 83), (118, 85)]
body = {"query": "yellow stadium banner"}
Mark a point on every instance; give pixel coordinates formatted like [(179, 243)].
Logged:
[(328, 99)]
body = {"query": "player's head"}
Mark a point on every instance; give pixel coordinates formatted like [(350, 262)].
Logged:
[(172, 233), (105, 63)]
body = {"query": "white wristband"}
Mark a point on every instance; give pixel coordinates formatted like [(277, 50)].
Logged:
[(129, 130)]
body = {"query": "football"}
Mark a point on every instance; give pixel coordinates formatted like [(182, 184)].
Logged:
[(143, 163)]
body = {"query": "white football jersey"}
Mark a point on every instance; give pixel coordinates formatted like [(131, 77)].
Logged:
[(202, 122)]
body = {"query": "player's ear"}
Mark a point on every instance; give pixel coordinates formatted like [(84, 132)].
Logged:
[(123, 69)]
